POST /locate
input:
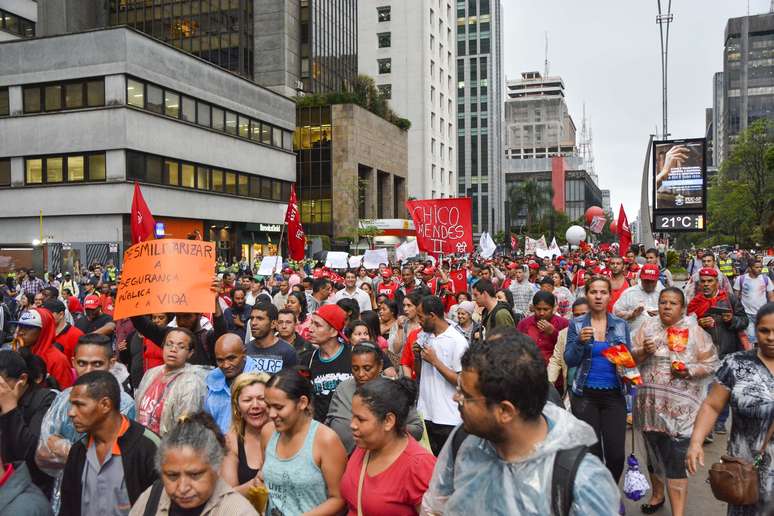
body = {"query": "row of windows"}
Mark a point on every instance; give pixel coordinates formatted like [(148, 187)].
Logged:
[(173, 172), (14, 24), (170, 103), (64, 95), (67, 168)]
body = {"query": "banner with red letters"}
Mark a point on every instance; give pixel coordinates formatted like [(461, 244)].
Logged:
[(443, 226)]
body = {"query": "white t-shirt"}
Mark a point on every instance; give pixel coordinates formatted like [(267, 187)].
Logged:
[(753, 292), (363, 300), (436, 395)]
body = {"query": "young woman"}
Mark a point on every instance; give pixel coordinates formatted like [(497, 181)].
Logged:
[(361, 331), (409, 321), (304, 460), (389, 471), (543, 326), (564, 297), (297, 302), (597, 391), (668, 399), (244, 456), (388, 323), (368, 289)]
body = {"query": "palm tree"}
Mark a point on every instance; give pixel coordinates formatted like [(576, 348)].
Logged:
[(534, 196)]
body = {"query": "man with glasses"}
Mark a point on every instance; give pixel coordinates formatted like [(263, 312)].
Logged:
[(172, 389), (515, 441)]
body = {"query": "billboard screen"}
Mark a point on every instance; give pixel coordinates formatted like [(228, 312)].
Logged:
[(679, 175)]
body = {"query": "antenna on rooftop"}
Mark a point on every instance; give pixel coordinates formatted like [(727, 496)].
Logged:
[(545, 72)]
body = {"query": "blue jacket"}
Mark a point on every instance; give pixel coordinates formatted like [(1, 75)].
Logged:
[(218, 402), (578, 354)]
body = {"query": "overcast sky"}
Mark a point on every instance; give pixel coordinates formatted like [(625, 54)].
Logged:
[(608, 53)]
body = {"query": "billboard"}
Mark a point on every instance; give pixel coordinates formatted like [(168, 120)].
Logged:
[(679, 185)]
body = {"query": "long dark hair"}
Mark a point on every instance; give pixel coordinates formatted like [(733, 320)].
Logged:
[(301, 296)]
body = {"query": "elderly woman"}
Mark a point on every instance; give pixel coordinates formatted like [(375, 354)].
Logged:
[(465, 319), (188, 459), (676, 358)]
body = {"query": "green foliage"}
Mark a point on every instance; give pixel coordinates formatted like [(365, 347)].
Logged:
[(673, 259), (365, 94)]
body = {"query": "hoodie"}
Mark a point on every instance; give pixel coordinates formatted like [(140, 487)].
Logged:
[(56, 361)]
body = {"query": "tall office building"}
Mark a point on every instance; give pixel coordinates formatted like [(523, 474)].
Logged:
[(748, 76), (479, 111), (408, 46), (18, 19)]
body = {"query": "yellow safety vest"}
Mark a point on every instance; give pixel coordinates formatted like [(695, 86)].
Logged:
[(726, 267)]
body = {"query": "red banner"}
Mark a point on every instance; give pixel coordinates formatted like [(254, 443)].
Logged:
[(296, 237), (443, 226), (142, 224), (459, 278), (624, 233)]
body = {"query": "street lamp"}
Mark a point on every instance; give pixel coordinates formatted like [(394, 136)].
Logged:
[(664, 19)]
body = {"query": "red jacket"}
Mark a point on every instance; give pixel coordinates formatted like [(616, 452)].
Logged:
[(56, 362)]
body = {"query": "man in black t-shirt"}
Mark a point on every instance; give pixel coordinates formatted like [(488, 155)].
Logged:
[(270, 352), (331, 363), (95, 321)]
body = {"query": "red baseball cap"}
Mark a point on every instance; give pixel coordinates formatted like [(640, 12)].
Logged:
[(513, 265), (91, 302), (649, 271), (334, 315), (387, 273), (706, 271), (430, 271)]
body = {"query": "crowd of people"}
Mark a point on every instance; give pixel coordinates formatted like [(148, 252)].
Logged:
[(466, 385)]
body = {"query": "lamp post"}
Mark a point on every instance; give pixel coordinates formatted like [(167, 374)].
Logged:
[(664, 19)]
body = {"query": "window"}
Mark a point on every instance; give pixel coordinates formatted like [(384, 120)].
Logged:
[(276, 138), (154, 170), (54, 170), (244, 126), (34, 173), (135, 93), (243, 186), (187, 178), (266, 134), (97, 169), (171, 173), (203, 114), (75, 168), (383, 13), (53, 97), (202, 178), (255, 130), (217, 180), (95, 93), (188, 111), (5, 172), (5, 107), (73, 95), (218, 119), (384, 39), (231, 122), (385, 65), (230, 183), (385, 90), (14, 24), (172, 104), (154, 99)]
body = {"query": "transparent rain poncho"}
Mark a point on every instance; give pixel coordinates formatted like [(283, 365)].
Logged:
[(480, 482)]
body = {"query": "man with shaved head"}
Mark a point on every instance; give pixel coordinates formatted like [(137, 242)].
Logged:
[(232, 360)]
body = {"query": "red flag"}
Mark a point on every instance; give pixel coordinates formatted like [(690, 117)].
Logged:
[(296, 237), (459, 278), (443, 226), (514, 242), (624, 233), (142, 223)]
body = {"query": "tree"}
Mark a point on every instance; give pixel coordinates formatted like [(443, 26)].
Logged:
[(532, 195)]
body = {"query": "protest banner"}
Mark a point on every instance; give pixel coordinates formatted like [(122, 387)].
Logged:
[(460, 279), (355, 261), (443, 226), (375, 257), (166, 276), (270, 265), (406, 250), (336, 260)]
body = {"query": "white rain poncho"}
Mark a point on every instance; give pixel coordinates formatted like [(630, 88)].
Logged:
[(479, 482)]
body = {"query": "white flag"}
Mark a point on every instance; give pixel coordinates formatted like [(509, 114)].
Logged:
[(486, 245), (541, 243)]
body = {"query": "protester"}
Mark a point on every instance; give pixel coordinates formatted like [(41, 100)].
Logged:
[(66, 334), (440, 353), (297, 303), (754, 290), (388, 325), (18, 494), (106, 472), (140, 353), (173, 389), (95, 321), (746, 381), (249, 414), (321, 291), (640, 302), (465, 320), (496, 314), (304, 459), (544, 325), (389, 471), (618, 281), (351, 291), (28, 283), (270, 352), (23, 404), (36, 328), (93, 352), (187, 462), (388, 286), (516, 439), (564, 297), (597, 395), (286, 330), (237, 316), (674, 356), (366, 366)]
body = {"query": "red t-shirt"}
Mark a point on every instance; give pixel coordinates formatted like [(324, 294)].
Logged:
[(106, 302), (395, 491), (388, 288), (545, 342), (407, 355), (68, 339), (614, 295)]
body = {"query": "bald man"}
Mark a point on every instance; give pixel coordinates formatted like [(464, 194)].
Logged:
[(232, 360)]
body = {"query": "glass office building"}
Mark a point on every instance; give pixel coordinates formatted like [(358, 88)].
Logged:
[(328, 45), (219, 31), (313, 144)]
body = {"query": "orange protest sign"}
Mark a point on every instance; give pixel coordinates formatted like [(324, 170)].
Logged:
[(166, 276)]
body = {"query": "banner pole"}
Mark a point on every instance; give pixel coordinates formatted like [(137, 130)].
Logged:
[(279, 250)]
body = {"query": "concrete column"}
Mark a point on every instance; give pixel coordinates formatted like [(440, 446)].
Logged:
[(115, 165)]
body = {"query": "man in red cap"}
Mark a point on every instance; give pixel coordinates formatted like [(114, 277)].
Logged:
[(95, 321), (37, 329), (640, 301), (388, 285), (331, 362)]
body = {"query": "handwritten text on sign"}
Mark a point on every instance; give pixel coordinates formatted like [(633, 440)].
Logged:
[(443, 225), (166, 276)]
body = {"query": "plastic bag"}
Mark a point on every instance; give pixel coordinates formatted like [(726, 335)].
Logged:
[(635, 483)]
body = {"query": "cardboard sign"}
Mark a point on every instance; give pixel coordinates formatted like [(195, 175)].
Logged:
[(270, 265), (336, 260), (444, 226), (166, 276), (375, 257), (355, 261)]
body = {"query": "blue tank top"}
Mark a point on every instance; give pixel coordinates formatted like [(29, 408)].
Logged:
[(602, 374), (296, 485)]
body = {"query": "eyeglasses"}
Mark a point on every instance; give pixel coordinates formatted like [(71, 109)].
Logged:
[(461, 399), (175, 346)]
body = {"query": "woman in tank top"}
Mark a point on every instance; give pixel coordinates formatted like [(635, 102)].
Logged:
[(304, 460), (249, 415)]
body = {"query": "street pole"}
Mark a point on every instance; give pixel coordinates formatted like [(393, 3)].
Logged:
[(664, 19)]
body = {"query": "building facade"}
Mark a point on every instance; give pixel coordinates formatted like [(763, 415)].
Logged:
[(748, 77), (18, 19), (408, 46), (479, 111), (352, 165), (212, 151)]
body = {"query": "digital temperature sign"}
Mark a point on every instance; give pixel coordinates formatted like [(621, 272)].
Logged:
[(679, 222)]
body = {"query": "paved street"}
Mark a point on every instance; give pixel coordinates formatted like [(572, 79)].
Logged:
[(700, 499)]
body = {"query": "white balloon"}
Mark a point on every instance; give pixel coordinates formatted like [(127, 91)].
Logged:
[(575, 234)]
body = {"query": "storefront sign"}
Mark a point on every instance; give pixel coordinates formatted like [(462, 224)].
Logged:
[(270, 228)]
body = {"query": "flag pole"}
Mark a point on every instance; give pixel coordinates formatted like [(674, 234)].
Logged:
[(279, 250)]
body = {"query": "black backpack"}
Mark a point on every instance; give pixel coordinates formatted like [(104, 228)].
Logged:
[(566, 464)]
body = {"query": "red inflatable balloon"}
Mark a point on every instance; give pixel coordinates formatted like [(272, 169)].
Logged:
[(594, 211), (614, 227)]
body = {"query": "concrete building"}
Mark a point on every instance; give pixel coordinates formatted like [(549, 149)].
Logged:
[(480, 111), (352, 164), (408, 46), (18, 19), (748, 77), (212, 150), (537, 121)]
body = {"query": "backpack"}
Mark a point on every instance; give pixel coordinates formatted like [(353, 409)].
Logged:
[(566, 464)]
